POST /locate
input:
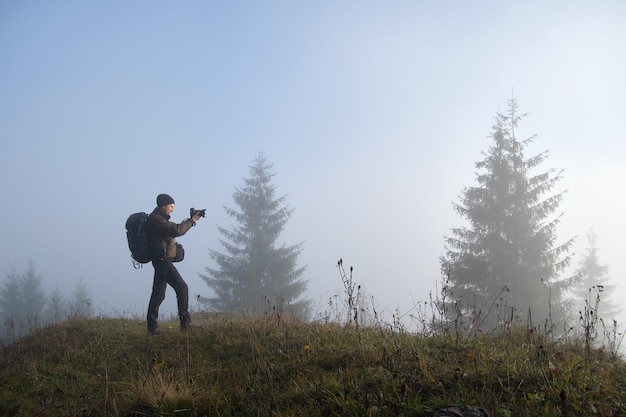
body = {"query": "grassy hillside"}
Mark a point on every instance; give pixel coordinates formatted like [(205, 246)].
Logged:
[(267, 367)]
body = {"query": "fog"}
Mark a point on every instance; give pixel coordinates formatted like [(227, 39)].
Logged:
[(372, 113)]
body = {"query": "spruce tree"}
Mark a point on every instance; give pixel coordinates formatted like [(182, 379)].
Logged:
[(594, 285), (506, 262), (254, 273)]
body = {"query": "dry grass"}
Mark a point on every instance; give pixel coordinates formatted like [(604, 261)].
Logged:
[(243, 366)]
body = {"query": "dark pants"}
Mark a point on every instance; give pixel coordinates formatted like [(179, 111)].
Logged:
[(166, 273)]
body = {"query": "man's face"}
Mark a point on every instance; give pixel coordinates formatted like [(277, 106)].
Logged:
[(168, 209)]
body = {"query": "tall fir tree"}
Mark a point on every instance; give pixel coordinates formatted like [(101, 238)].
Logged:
[(507, 260), (594, 284), (254, 273)]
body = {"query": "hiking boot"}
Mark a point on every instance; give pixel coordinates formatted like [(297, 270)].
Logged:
[(185, 321)]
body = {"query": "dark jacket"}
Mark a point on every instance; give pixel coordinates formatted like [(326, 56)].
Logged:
[(163, 233)]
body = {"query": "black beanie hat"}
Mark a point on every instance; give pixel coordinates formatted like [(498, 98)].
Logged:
[(164, 200)]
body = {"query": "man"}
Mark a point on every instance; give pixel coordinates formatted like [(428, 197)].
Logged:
[(164, 252)]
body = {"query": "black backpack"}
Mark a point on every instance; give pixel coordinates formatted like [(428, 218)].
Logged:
[(138, 238)]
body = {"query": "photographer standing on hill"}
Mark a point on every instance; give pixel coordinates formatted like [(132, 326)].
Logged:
[(165, 251)]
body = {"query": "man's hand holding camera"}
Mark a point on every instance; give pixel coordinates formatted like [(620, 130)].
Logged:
[(196, 214)]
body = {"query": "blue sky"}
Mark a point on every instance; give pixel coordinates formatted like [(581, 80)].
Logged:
[(373, 114)]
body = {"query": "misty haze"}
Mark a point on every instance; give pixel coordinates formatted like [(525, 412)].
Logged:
[(334, 208), (376, 123)]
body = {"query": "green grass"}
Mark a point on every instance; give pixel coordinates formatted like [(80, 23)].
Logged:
[(266, 367)]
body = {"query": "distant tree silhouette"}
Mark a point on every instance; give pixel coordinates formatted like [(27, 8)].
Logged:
[(80, 304), (12, 309), (11, 302), (22, 302), (507, 260), (33, 295), (594, 281), (56, 308), (254, 273)]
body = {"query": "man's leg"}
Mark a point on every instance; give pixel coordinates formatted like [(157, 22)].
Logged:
[(176, 281), (159, 286)]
